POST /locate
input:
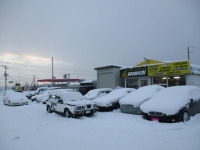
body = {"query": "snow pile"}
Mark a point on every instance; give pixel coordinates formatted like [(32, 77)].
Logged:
[(170, 100), (113, 96), (139, 96), (92, 94)]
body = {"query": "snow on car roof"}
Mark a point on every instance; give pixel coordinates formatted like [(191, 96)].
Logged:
[(113, 96), (170, 100), (60, 91), (94, 92), (15, 96), (144, 93), (69, 96)]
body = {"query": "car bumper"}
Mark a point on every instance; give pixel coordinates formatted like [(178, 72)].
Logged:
[(103, 108), (84, 112), (164, 118), (18, 104)]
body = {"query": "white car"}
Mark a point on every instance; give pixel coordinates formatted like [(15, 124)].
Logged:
[(12, 98), (131, 103), (31, 94), (92, 94), (45, 95), (111, 100), (70, 104)]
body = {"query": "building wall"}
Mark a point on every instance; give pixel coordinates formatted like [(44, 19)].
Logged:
[(193, 80), (108, 78)]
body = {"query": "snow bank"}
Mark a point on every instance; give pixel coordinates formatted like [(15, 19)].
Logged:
[(139, 96), (170, 100), (32, 128)]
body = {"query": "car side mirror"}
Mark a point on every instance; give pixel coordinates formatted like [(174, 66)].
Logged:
[(191, 101)]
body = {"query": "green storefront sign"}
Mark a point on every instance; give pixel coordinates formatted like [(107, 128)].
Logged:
[(134, 72)]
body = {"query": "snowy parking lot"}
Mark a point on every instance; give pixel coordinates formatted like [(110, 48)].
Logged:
[(30, 127)]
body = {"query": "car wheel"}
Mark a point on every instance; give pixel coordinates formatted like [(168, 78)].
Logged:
[(67, 113), (185, 116), (49, 109)]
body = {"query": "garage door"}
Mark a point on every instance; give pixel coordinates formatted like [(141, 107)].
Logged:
[(105, 80)]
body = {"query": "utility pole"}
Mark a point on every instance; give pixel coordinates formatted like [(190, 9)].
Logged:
[(52, 71), (188, 50), (5, 75), (33, 82)]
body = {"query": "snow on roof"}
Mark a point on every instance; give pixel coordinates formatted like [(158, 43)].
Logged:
[(170, 100), (141, 95), (87, 81), (195, 69), (108, 66)]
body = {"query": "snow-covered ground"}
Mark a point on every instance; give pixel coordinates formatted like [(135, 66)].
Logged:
[(30, 127)]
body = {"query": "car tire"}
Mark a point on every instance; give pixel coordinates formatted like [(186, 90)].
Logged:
[(185, 116), (49, 109), (67, 113)]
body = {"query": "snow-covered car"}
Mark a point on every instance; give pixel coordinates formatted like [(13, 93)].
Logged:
[(12, 98), (173, 104), (131, 103), (45, 95), (38, 91), (111, 100), (70, 104), (92, 94)]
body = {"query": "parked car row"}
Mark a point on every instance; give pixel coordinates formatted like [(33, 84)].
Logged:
[(153, 102)]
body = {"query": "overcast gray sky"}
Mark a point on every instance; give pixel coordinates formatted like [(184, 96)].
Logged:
[(84, 34)]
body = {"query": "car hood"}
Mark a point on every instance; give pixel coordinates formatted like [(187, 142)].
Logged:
[(79, 102)]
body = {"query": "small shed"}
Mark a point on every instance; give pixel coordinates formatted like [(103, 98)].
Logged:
[(108, 76)]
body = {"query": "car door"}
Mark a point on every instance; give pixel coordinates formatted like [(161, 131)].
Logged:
[(194, 106), (59, 106)]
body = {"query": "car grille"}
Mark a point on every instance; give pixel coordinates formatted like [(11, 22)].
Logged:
[(156, 114), (79, 107)]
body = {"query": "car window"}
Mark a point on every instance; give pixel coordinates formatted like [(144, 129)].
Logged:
[(58, 97)]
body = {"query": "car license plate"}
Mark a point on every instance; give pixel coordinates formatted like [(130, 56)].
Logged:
[(87, 111), (154, 119)]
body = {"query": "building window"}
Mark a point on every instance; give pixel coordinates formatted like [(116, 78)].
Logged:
[(132, 83), (169, 80)]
